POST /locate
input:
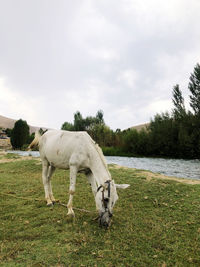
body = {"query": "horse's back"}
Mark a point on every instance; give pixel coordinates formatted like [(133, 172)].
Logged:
[(59, 147)]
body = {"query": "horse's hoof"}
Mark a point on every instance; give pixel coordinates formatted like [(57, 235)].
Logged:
[(53, 200), (50, 204), (95, 219), (70, 218), (70, 215)]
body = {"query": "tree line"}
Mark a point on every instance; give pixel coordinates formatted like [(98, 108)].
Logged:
[(175, 133)]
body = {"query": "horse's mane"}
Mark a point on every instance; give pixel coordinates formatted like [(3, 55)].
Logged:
[(99, 150)]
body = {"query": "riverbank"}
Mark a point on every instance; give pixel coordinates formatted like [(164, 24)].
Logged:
[(155, 223), (187, 169), (150, 175)]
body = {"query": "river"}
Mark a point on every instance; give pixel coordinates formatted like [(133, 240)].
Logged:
[(172, 167)]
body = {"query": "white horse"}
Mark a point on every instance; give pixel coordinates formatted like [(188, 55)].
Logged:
[(79, 153)]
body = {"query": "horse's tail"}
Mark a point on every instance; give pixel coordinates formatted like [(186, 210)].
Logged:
[(35, 141)]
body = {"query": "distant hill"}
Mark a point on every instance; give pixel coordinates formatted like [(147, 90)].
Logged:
[(9, 123), (140, 127)]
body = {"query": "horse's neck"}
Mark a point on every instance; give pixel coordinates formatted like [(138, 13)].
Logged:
[(99, 168)]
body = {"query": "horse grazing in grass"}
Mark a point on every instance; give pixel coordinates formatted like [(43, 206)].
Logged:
[(77, 152)]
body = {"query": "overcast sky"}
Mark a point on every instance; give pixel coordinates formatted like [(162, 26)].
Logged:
[(120, 56)]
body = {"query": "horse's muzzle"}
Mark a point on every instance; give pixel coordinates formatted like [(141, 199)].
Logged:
[(105, 219)]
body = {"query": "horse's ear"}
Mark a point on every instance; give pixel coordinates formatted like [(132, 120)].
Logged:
[(122, 186)]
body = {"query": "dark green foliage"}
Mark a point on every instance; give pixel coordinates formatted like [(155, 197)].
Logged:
[(99, 117), (8, 132), (20, 134), (79, 124), (115, 151), (194, 87), (84, 124), (67, 126), (178, 101), (95, 127), (130, 141), (162, 135), (31, 137)]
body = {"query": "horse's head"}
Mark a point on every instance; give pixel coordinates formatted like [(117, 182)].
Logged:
[(106, 198)]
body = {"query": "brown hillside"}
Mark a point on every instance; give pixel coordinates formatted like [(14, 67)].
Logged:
[(9, 123), (140, 127)]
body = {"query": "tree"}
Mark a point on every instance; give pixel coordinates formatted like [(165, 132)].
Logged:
[(102, 134), (20, 134), (162, 135), (99, 117), (79, 123), (67, 126), (130, 141), (89, 123), (9, 132), (194, 87), (178, 101)]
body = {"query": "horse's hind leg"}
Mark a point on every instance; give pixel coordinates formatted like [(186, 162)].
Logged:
[(45, 167), (50, 173)]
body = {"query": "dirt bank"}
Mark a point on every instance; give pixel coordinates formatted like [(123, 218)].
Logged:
[(150, 175)]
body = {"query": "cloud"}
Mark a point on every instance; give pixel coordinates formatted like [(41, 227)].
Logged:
[(15, 104), (128, 77), (122, 57)]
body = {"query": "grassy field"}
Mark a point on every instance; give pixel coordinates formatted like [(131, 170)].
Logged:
[(156, 222)]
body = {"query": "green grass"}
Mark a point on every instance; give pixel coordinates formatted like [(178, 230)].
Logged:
[(155, 223), (116, 151), (9, 156)]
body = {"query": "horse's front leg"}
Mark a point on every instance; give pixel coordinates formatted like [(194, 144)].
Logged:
[(92, 182), (45, 167), (73, 173)]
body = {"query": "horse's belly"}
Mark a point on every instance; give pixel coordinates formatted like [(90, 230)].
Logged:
[(59, 163), (56, 157)]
